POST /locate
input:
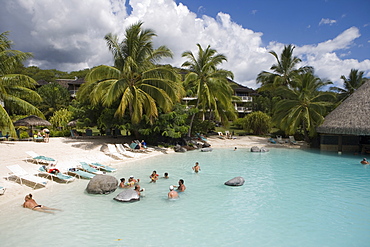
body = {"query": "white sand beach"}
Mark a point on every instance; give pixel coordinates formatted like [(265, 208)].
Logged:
[(68, 152)]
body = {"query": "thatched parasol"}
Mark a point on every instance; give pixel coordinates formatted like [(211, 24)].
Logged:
[(32, 121), (72, 123), (352, 116)]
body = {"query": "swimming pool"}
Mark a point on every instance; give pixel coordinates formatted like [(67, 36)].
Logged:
[(290, 198)]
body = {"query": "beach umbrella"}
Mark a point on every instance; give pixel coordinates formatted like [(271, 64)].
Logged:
[(31, 121), (72, 123)]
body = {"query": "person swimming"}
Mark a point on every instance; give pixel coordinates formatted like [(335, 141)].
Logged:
[(364, 162), (196, 168), (154, 177), (181, 187)]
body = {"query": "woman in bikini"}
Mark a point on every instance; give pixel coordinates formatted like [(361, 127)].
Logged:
[(32, 204)]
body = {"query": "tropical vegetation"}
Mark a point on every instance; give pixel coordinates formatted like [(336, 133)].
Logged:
[(16, 90), (135, 83), (209, 85)]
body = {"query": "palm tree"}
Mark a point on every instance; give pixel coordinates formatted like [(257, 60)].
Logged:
[(209, 84), (283, 70), (135, 82), (16, 90), (354, 81), (303, 106)]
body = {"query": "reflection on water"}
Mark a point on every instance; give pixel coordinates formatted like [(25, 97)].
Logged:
[(290, 198)]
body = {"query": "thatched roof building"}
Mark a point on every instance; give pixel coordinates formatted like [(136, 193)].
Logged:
[(349, 123)]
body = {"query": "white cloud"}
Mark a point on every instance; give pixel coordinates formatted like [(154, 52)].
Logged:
[(327, 22), (68, 35)]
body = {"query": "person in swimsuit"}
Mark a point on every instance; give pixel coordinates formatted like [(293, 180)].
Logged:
[(172, 194), (181, 187), (196, 168), (364, 162), (122, 183), (32, 204), (154, 177)]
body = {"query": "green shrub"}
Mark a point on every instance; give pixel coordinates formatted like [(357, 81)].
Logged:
[(23, 135)]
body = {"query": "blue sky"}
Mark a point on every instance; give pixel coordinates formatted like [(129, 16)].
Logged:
[(332, 36), (295, 21)]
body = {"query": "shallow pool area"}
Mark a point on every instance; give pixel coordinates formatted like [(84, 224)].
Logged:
[(290, 198)]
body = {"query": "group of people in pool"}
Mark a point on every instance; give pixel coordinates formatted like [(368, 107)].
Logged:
[(30, 203), (132, 182)]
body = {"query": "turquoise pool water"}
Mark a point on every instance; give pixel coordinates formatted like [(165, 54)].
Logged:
[(290, 198)]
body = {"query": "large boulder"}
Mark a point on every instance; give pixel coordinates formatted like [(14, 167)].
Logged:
[(178, 148), (102, 184), (237, 181), (206, 149), (255, 149), (263, 149), (127, 195)]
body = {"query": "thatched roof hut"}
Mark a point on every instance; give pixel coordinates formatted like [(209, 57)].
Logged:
[(352, 117), (347, 128)]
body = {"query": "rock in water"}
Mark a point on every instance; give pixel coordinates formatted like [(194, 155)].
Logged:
[(237, 181), (102, 184), (255, 149), (128, 195)]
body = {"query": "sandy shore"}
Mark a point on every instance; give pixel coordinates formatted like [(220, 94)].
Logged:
[(68, 152)]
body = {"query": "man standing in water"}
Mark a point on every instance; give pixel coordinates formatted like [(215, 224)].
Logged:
[(196, 168), (172, 194), (181, 187)]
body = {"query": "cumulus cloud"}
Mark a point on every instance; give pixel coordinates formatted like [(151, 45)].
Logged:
[(327, 22), (68, 35)]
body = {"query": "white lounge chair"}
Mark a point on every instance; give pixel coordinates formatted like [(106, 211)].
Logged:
[(22, 175), (121, 149), (220, 135), (280, 140), (55, 177), (292, 140), (39, 159), (87, 168), (132, 148), (112, 151), (103, 167), (80, 174)]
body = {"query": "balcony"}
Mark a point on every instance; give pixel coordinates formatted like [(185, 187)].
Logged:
[(245, 98), (242, 109)]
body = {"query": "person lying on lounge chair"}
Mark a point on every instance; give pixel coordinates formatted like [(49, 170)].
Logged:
[(32, 204)]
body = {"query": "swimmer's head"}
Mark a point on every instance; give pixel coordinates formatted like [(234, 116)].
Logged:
[(171, 187)]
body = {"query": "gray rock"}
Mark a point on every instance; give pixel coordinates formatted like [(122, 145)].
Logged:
[(264, 149), (206, 149), (102, 184), (237, 181), (178, 148), (127, 195), (255, 149)]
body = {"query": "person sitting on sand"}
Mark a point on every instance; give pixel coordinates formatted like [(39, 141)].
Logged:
[(122, 183), (181, 187), (172, 194), (196, 168), (143, 143), (364, 162), (32, 204), (154, 177)]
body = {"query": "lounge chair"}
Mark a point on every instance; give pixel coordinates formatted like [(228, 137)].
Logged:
[(55, 177), (121, 149), (132, 148), (39, 158), (292, 140), (220, 135), (103, 167), (22, 175), (112, 151), (87, 168), (74, 134), (2, 190), (201, 137), (80, 174), (38, 139), (280, 140)]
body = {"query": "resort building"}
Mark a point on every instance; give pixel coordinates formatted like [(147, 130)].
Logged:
[(71, 84), (347, 128)]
